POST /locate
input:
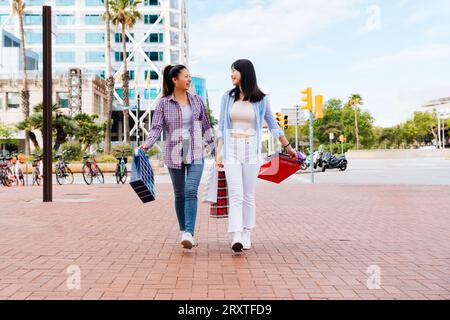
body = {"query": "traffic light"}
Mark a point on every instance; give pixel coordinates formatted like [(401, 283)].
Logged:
[(319, 107), (308, 99), (286, 122), (278, 116)]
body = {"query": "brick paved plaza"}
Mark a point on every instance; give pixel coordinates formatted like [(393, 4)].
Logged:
[(312, 242)]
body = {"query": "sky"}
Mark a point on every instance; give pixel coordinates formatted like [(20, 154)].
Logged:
[(395, 53)]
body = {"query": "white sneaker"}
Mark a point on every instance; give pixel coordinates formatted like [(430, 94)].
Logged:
[(236, 245), (246, 239), (187, 241)]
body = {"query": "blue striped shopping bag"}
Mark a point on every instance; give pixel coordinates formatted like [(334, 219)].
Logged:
[(142, 177)]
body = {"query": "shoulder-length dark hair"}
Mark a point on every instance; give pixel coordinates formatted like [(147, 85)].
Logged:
[(171, 72), (249, 83)]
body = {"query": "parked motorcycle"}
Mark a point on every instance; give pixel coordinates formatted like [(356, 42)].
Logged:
[(306, 164), (330, 161)]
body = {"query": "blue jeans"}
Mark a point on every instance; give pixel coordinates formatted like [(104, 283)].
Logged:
[(185, 183)]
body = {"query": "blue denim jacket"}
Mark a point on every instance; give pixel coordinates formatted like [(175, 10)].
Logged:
[(262, 110)]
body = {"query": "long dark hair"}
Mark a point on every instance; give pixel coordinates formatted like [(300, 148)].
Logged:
[(171, 72), (249, 83)]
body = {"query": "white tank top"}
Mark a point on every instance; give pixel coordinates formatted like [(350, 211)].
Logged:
[(243, 118), (186, 112)]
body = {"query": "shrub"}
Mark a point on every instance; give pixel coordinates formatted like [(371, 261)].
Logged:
[(107, 158), (127, 149), (72, 150)]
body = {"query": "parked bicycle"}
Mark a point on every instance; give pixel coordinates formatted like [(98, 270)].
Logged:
[(37, 170), (121, 169), (7, 177), (91, 170), (62, 171)]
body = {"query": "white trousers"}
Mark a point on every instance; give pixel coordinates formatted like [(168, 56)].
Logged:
[(241, 170)]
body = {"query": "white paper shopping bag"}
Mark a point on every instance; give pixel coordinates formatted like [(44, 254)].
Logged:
[(210, 192)]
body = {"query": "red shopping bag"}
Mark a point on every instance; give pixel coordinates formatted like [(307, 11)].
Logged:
[(278, 168), (219, 210)]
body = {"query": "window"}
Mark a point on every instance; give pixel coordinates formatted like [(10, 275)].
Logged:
[(65, 2), (34, 2), (65, 19), (153, 75), (10, 43), (155, 38), (13, 100), (152, 3), (93, 19), (33, 19), (131, 93), (151, 94), (94, 2), (33, 37), (155, 55), (63, 99), (65, 56), (118, 37), (151, 18), (95, 57), (95, 37), (119, 56), (100, 73), (131, 74), (3, 17), (63, 38)]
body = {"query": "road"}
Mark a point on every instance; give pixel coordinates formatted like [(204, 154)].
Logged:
[(359, 172)]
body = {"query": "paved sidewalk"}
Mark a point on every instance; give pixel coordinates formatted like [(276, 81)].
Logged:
[(312, 242)]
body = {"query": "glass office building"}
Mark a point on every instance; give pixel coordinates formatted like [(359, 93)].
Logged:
[(160, 38)]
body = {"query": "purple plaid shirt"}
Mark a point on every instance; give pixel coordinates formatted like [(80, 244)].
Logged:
[(168, 117)]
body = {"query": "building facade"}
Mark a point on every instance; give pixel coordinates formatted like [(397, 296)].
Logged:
[(93, 91), (159, 39)]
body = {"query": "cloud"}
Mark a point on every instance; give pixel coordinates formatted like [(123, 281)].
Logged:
[(427, 52), (418, 16), (269, 27)]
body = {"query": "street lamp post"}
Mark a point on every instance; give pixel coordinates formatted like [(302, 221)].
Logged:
[(137, 118), (47, 102)]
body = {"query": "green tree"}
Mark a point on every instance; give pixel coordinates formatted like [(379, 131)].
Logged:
[(63, 125), (408, 133), (6, 133), (212, 120), (385, 137), (126, 14), (338, 119), (426, 123), (355, 100), (89, 132)]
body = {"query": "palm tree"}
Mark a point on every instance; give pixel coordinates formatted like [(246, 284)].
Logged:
[(354, 102), (63, 125), (18, 9), (125, 13), (109, 79)]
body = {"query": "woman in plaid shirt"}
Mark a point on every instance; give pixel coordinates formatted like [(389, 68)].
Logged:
[(183, 117)]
